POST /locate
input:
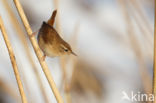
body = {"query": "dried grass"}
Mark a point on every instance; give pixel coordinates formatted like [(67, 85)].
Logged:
[(13, 61), (38, 52)]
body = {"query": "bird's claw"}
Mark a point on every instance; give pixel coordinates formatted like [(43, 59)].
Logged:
[(33, 34), (43, 58)]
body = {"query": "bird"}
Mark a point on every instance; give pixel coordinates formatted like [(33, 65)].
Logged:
[(50, 42)]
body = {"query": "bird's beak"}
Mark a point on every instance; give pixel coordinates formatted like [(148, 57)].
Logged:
[(73, 53)]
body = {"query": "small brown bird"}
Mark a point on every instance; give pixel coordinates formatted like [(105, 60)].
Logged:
[(50, 42)]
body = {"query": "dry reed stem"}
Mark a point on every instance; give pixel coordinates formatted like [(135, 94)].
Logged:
[(73, 41), (63, 62), (19, 30), (135, 45), (154, 68), (75, 61), (13, 61), (145, 32), (38, 52), (23, 39), (144, 18), (62, 59)]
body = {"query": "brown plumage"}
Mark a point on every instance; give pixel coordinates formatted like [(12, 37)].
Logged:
[(50, 42)]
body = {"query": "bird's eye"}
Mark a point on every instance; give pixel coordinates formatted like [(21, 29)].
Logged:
[(66, 50)]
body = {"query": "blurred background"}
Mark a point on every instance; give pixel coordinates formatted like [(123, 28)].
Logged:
[(112, 38)]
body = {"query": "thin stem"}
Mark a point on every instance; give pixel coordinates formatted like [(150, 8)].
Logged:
[(63, 62), (154, 69), (20, 33), (146, 80), (143, 17), (38, 52), (13, 61)]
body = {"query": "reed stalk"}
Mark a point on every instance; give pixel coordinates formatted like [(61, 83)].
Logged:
[(154, 67), (13, 61), (146, 80), (38, 52), (20, 33)]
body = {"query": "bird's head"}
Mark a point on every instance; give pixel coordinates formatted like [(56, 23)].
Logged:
[(65, 49)]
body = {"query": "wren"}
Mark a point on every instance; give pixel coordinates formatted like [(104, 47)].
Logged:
[(50, 41)]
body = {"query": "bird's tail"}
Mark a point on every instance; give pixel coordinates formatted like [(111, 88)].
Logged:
[(52, 18)]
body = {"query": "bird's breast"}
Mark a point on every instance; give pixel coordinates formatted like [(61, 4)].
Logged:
[(47, 48)]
